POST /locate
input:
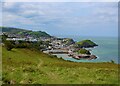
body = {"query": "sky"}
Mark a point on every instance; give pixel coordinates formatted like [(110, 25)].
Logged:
[(60, 0), (63, 18)]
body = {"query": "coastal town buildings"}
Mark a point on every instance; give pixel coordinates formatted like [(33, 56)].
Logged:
[(53, 45)]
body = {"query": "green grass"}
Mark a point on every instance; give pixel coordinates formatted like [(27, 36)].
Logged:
[(23, 66), (0, 65)]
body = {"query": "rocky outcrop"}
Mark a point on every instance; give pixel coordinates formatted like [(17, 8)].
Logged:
[(92, 57), (86, 44), (79, 57)]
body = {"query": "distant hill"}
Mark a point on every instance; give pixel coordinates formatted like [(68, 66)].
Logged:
[(11, 29), (23, 32), (86, 44)]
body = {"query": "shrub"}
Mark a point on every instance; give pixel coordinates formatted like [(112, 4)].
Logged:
[(4, 36), (9, 45), (22, 45), (112, 61), (84, 51)]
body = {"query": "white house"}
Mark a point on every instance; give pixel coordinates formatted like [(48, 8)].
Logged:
[(16, 39)]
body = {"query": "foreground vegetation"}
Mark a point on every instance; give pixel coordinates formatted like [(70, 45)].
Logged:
[(24, 66)]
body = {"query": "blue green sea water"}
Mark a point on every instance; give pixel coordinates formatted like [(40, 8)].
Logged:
[(106, 50)]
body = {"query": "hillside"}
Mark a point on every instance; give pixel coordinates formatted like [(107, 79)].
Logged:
[(23, 32), (11, 29), (86, 44), (23, 66)]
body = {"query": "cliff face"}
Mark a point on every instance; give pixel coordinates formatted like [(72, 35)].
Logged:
[(86, 44)]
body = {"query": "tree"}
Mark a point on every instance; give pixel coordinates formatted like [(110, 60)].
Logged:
[(84, 51), (112, 61), (36, 45), (9, 45), (4, 37)]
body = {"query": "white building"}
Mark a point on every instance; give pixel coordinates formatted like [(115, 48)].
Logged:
[(16, 39)]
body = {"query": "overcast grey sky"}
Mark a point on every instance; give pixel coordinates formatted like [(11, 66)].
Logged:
[(63, 18)]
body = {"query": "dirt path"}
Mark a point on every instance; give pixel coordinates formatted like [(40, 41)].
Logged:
[(53, 77), (40, 63)]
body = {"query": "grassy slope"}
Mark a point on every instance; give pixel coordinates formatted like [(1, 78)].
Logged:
[(0, 65), (25, 66)]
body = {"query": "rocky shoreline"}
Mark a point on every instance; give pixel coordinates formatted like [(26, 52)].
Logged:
[(88, 57), (76, 50), (72, 54)]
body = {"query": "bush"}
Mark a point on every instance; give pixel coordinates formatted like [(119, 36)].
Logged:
[(4, 36), (9, 45), (112, 61), (22, 45), (84, 51)]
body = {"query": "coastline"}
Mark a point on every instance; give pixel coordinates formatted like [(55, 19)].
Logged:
[(107, 49), (67, 58)]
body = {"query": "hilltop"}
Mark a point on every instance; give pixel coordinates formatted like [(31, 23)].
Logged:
[(23, 32), (11, 29), (86, 44)]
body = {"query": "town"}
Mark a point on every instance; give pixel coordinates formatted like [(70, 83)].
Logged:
[(52, 45)]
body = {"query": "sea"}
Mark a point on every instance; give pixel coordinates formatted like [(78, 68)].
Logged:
[(106, 51)]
